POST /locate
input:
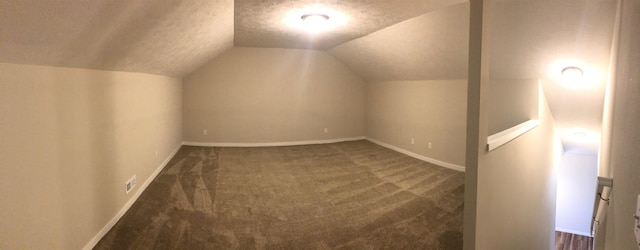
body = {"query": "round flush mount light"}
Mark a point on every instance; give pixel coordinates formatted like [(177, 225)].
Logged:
[(315, 18), (315, 22), (573, 76), (572, 72), (579, 135)]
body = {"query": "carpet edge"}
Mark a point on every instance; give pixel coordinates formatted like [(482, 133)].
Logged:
[(270, 144), (417, 156), (94, 241)]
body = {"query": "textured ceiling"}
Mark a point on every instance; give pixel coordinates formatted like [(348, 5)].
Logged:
[(528, 38), (265, 23), (167, 37), (537, 39), (428, 47)]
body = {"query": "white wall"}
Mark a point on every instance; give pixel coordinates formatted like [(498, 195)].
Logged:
[(625, 158), (511, 102), (259, 95), (428, 111), (577, 181), (516, 191), (69, 140), (510, 192)]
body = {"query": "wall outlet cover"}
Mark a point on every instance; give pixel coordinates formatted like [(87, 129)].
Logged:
[(636, 225), (131, 183)]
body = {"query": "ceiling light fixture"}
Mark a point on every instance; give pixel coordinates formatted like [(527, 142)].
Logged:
[(572, 72), (580, 135), (315, 19), (315, 22), (573, 76)]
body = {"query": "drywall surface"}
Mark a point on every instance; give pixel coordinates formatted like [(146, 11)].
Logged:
[(433, 46), (69, 140), (516, 190), (427, 111), (626, 134), (169, 38), (254, 95), (577, 181), (510, 192), (511, 102)]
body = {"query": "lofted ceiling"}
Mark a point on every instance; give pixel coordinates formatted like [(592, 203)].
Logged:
[(378, 39), (166, 37), (433, 46)]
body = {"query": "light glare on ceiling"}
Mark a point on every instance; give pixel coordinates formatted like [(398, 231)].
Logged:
[(315, 22)]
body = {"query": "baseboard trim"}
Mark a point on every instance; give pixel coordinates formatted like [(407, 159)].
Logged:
[(270, 144), (417, 156), (573, 232), (91, 244)]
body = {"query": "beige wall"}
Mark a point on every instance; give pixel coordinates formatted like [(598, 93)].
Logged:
[(69, 140), (625, 159), (510, 192), (258, 95), (516, 192), (511, 102), (428, 111)]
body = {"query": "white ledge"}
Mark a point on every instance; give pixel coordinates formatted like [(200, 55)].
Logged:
[(498, 139)]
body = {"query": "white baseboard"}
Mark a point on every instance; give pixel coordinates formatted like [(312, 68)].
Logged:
[(573, 232), (129, 203), (417, 156), (269, 144)]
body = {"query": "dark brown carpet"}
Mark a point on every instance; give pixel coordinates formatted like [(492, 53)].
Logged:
[(350, 195)]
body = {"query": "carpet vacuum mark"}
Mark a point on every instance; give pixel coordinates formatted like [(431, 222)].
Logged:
[(349, 195)]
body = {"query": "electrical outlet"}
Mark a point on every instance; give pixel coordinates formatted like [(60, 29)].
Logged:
[(131, 183), (429, 145), (205, 132), (413, 141), (326, 130), (636, 217)]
